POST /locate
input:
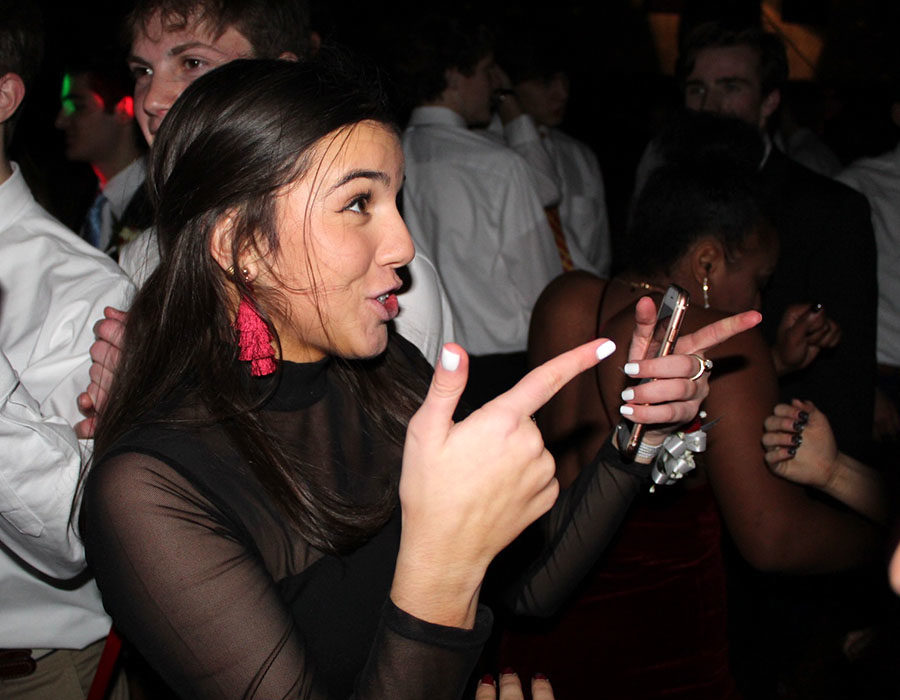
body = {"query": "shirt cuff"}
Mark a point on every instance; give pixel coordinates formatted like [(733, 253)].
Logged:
[(457, 638)]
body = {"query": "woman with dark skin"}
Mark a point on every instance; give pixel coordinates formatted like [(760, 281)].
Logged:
[(322, 530), (652, 619)]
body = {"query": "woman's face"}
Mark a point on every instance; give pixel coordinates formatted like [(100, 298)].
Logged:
[(740, 286), (341, 242)]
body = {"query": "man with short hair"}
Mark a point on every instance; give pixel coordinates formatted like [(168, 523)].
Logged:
[(471, 203), (827, 255), (535, 102), (97, 116), (173, 44), (827, 252), (53, 285)]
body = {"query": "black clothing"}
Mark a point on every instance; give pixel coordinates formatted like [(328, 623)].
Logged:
[(827, 256), (202, 573)]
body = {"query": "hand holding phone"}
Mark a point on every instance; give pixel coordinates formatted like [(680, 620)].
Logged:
[(665, 333)]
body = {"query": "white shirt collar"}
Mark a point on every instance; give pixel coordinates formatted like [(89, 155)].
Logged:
[(14, 196), (431, 115)]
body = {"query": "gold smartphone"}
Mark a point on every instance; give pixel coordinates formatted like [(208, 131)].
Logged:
[(665, 333)]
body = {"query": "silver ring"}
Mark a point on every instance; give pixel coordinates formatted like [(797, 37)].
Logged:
[(706, 365)]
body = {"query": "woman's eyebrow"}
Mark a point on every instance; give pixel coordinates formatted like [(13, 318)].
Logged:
[(379, 175)]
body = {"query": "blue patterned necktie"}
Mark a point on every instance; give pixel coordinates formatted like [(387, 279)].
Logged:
[(93, 223)]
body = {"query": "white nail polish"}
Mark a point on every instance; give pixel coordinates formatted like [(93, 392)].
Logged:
[(449, 360), (626, 410), (628, 395), (631, 368), (605, 350)]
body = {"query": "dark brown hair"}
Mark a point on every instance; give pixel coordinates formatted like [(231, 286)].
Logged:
[(773, 64), (271, 26), (234, 139)]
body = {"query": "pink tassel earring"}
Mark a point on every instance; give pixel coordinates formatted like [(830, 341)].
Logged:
[(254, 339)]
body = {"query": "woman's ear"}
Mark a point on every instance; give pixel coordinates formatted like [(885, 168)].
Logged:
[(221, 245), (707, 261)]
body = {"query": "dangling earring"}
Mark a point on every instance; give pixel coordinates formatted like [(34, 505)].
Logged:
[(254, 339), (705, 287)]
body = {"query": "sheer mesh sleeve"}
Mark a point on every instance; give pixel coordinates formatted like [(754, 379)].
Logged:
[(184, 584), (574, 534)]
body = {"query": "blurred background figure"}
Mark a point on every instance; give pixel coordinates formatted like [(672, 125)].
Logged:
[(535, 89), (471, 203), (53, 286), (800, 126), (878, 179), (97, 117)]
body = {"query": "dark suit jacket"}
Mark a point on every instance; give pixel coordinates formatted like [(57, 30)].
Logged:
[(828, 256)]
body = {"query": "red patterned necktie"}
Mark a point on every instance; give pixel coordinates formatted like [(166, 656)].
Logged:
[(559, 237)]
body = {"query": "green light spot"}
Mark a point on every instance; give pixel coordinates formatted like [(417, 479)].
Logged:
[(68, 106)]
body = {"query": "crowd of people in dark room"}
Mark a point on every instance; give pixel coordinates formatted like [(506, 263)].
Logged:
[(331, 372)]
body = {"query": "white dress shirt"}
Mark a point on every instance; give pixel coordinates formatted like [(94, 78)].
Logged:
[(879, 180), (471, 206), (53, 287), (425, 318), (576, 187)]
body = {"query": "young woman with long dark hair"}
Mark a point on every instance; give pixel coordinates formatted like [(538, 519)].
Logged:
[(243, 516)]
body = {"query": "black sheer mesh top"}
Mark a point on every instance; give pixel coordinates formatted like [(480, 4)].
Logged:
[(201, 571)]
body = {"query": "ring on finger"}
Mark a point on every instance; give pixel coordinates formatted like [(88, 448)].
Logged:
[(706, 365)]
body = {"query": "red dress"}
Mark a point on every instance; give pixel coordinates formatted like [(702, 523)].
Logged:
[(650, 618)]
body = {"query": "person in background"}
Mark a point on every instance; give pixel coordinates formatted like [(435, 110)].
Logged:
[(97, 117), (53, 285), (699, 224), (470, 202), (533, 97), (878, 179), (824, 230)]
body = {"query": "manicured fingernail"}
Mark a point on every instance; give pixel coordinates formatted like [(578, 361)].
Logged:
[(628, 395), (797, 439), (449, 360), (540, 677), (488, 679), (803, 415), (631, 368), (792, 451), (605, 350), (799, 424), (508, 671), (626, 410)]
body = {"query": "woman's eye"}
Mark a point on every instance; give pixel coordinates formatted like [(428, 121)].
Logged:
[(193, 63), (359, 204)]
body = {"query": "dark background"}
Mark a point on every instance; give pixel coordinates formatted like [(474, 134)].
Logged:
[(619, 95)]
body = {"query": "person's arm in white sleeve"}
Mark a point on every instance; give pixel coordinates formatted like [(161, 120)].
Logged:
[(38, 474), (521, 134), (529, 253)]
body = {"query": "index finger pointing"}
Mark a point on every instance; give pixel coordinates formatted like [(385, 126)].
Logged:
[(718, 332), (540, 385)]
